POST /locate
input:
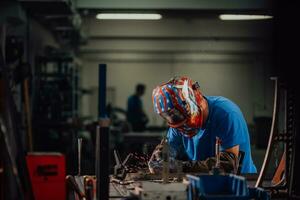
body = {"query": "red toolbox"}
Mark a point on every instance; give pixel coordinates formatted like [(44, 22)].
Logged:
[(47, 173)]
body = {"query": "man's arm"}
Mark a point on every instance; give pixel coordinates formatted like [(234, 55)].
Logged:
[(232, 131), (155, 162), (175, 150), (228, 161)]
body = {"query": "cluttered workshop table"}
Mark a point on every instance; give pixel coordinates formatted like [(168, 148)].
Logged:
[(132, 180)]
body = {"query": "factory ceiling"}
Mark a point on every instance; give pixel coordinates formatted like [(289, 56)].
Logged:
[(174, 4), (187, 9), (64, 17), (171, 37)]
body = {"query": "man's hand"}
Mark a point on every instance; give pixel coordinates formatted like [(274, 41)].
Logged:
[(155, 162), (228, 164)]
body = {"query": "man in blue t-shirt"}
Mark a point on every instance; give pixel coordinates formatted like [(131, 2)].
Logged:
[(196, 121), (135, 112)]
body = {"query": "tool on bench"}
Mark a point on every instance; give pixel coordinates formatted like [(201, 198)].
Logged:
[(216, 168), (70, 180), (120, 169)]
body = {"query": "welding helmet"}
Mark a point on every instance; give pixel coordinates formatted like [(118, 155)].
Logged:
[(177, 101)]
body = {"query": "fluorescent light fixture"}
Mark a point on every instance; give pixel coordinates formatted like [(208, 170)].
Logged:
[(244, 17), (134, 16)]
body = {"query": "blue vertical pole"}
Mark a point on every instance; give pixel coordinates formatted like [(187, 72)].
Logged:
[(102, 91), (102, 140)]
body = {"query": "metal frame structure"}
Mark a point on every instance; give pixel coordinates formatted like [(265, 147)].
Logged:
[(14, 179), (287, 186)]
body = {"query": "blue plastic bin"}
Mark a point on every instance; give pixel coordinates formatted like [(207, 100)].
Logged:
[(222, 187)]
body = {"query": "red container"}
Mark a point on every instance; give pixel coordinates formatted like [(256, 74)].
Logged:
[(47, 173)]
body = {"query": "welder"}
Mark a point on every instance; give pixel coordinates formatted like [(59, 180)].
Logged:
[(195, 121)]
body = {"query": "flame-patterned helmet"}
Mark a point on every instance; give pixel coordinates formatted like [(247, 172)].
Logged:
[(177, 101)]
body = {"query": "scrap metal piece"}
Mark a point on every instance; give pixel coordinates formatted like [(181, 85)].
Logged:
[(120, 169)]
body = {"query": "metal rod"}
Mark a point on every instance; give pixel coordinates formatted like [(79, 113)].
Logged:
[(271, 137), (97, 163), (165, 155), (79, 155), (102, 160), (97, 148), (102, 143), (217, 152), (28, 114), (102, 91), (117, 158)]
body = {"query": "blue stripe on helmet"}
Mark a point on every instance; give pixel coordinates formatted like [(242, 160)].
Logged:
[(155, 104), (161, 103), (168, 99)]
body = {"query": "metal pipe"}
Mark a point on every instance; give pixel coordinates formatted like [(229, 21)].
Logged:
[(102, 91), (217, 152), (102, 143), (271, 137), (79, 155), (165, 156)]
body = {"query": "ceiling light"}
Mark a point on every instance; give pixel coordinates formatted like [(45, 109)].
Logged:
[(134, 16), (244, 17)]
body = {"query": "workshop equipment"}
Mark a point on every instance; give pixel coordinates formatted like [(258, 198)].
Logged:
[(216, 168), (72, 183), (55, 100), (279, 176), (286, 175), (152, 190), (14, 177), (217, 187), (102, 140), (81, 187), (120, 169), (89, 187), (47, 174)]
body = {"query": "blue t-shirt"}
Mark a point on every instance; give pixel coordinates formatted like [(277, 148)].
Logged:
[(225, 120), (134, 109)]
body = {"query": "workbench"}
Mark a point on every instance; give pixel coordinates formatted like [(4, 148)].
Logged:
[(145, 189), (149, 190)]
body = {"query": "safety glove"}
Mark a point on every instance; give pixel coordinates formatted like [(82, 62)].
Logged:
[(228, 164), (156, 162)]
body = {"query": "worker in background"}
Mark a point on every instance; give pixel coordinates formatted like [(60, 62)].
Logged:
[(195, 122), (135, 113)]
